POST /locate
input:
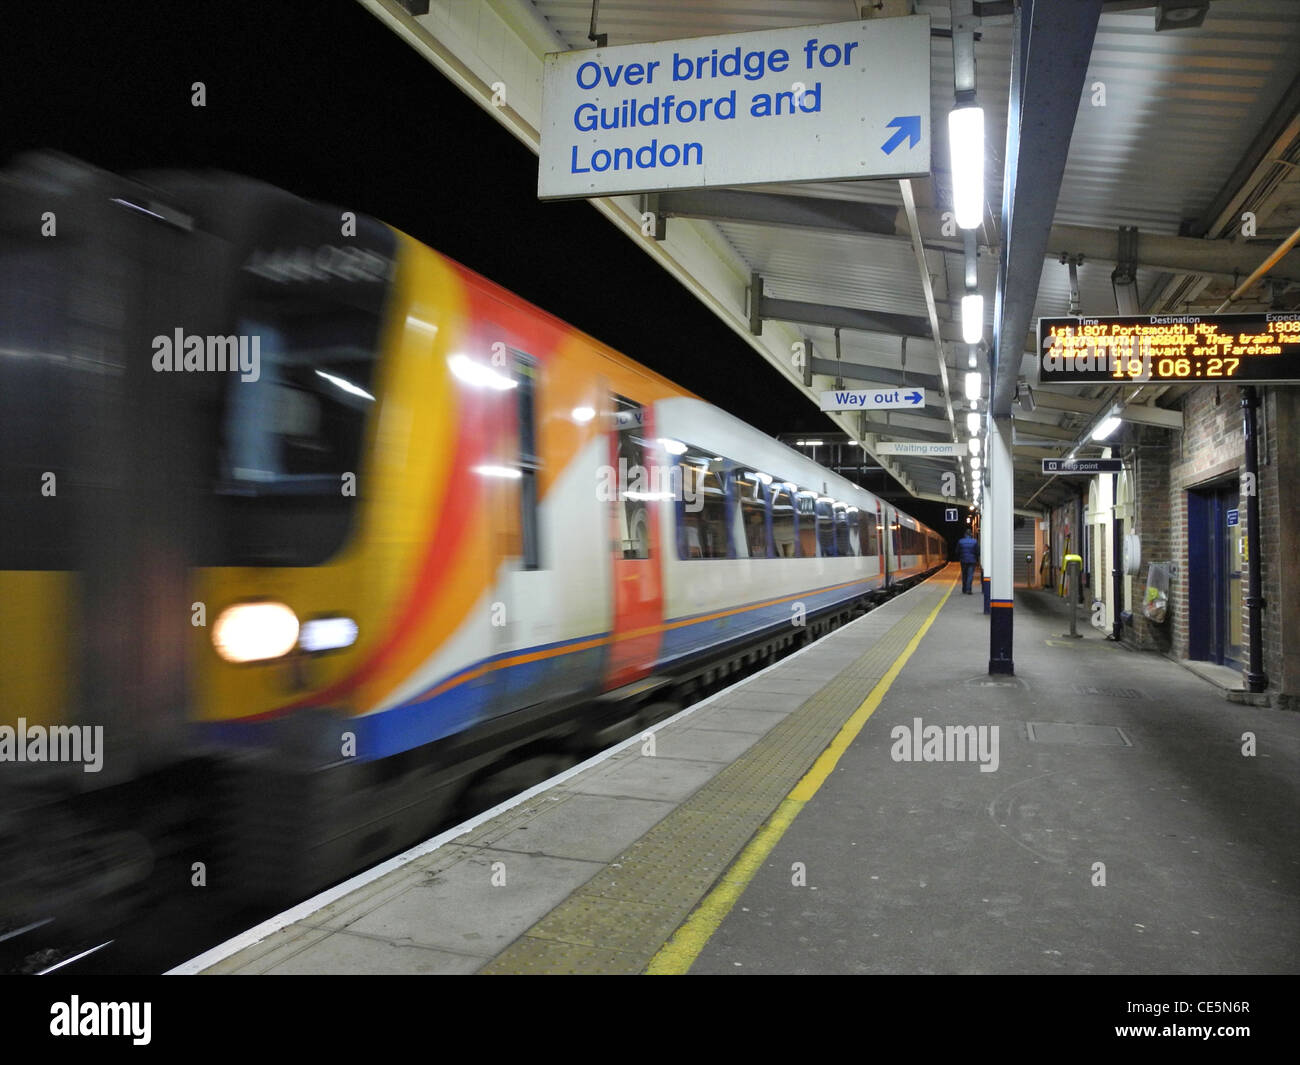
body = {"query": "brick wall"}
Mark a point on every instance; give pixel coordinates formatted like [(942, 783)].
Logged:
[(1212, 451), (1153, 523), (1164, 465)]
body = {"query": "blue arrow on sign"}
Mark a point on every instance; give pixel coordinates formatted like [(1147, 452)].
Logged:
[(909, 129), (915, 398)]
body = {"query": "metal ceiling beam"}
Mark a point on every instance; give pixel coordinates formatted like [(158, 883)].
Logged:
[(794, 212), (1035, 430), (1042, 416), (1060, 401), (765, 307), (886, 430), (1166, 419), (927, 286), (1030, 451), (1156, 251), (1051, 47), (857, 371)]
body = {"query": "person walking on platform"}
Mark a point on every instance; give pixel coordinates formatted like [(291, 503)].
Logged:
[(967, 554)]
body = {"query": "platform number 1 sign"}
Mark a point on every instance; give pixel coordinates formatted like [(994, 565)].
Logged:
[(950, 514)]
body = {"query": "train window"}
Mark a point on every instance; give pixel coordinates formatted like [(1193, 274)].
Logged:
[(703, 528), (783, 525), (296, 428), (807, 523), (290, 441), (825, 528), (753, 513), (843, 548), (634, 507), (867, 535), (530, 461), (49, 406)]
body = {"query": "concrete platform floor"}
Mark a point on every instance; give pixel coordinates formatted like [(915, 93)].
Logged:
[(1136, 823), (1122, 818)]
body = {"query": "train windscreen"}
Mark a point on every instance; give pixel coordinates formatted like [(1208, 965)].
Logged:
[(293, 430)]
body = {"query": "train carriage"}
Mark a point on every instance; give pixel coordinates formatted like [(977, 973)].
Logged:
[(417, 528)]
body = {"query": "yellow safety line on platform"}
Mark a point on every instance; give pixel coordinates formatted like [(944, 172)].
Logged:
[(677, 955)]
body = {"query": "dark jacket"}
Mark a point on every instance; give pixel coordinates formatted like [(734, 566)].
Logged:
[(968, 549)]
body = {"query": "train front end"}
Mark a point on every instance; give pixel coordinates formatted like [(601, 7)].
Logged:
[(207, 535)]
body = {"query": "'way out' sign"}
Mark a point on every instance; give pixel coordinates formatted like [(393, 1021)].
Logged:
[(813, 103), (891, 398)]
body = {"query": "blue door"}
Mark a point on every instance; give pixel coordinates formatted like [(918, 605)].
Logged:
[(1215, 555)]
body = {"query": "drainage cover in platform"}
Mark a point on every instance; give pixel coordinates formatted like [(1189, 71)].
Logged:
[(985, 680), (1109, 693), (1077, 735)]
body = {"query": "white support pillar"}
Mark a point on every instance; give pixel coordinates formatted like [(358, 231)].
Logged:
[(1000, 534), (986, 507)]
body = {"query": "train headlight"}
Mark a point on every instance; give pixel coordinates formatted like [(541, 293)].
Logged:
[(327, 634), (255, 632)]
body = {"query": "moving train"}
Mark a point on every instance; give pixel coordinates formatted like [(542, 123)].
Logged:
[(288, 493)]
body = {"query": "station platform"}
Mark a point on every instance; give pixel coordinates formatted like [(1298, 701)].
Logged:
[(1102, 811)]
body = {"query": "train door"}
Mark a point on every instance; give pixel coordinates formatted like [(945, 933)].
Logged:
[(880, 543), (889, 543), (522, 623), (635, 543)]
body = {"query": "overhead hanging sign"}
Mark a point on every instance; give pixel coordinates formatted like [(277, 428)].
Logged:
[(932, 448), (1179, 349), (835, 101), (889, 397), (1083, 466)]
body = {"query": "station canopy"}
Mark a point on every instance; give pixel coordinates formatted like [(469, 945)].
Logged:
[(1179, 174)]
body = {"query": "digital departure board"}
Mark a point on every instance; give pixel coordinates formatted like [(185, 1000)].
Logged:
[(1186, 349)]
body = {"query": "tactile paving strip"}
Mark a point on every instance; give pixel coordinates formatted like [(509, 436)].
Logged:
[(620, 918)]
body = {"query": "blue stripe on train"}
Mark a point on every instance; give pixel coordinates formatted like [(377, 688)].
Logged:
[(699, 637), (433, 717)]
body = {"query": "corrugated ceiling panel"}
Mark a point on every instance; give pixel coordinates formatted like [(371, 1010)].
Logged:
[(834, 268), (631, 21), (1181, 108)]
